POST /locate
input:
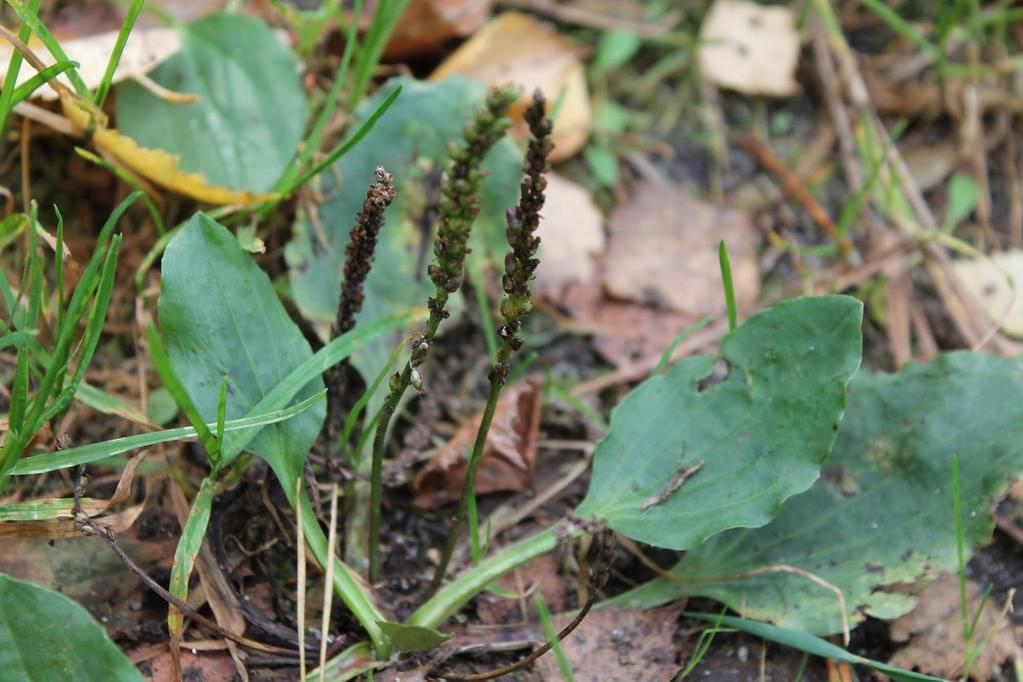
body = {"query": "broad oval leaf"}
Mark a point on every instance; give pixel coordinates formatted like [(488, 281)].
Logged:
[(410, 143), (882, 511), (243, 131), (691, 453), (221, 317), (46, 636)]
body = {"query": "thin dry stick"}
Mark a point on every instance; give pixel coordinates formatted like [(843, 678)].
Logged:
[(110, 537), (634, 549), (328, 594), (599, 571), (300, 571), (792, 186)]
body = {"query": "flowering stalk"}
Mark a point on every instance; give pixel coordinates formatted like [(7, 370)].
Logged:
[(362, 242), (519, 264), (459, 206)]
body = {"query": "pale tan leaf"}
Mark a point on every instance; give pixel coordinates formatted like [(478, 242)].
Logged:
[(145, 49), (750, 48)]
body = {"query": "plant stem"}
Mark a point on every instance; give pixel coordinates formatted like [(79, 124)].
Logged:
[(458, 209), (467, 500), (452, 596)]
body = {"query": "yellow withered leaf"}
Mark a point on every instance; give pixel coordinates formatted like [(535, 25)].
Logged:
[(153, 164)]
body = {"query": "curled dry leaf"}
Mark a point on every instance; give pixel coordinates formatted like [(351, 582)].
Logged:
[(144, 50), (995, 282), (153, 164), (663, 251), (571, 233), (508, 456), (613, 644), (519, 49), (750, 48), (934, 630)]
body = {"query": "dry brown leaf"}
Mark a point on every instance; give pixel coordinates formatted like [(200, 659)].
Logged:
[(539, 575), (427, 24), (935, 632), (622, 332), (201, 666), (750, 48), (663, 251), (517, 48), (152, 164), (145, 49), (508, 456), (613, 644), (995, 282), (571, 233)]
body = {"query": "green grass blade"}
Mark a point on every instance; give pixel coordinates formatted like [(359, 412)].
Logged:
[(552, 637), (811, 645), (312, 142), (662, 364), (328, 356), (162, 365), (957, 510), (726, 281), (29, 17), (115, 56), (356, 412), (25, 90), (94, 327), (7, 100), (129, 180), (19, 390), (94, 452), (189, 546), (385, 19), (58, 267), (351, 142)]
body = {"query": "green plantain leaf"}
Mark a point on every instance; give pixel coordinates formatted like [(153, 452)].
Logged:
[(882, 512), (761, 432), (46, 636), (221, 317), (244, 130), (410, 143)]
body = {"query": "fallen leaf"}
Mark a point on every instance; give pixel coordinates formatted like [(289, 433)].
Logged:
[(198, 666), (517, 48), (427, 24), (145, 49), (508, 455), (613, 644), (934, 630), (539, 575), (750, 48), (994, 282), (571, 233), (152, 164), (622, 332), (663, 251)]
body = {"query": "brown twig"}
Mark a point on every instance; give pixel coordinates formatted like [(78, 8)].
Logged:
[(90, 527), (792, 186)]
